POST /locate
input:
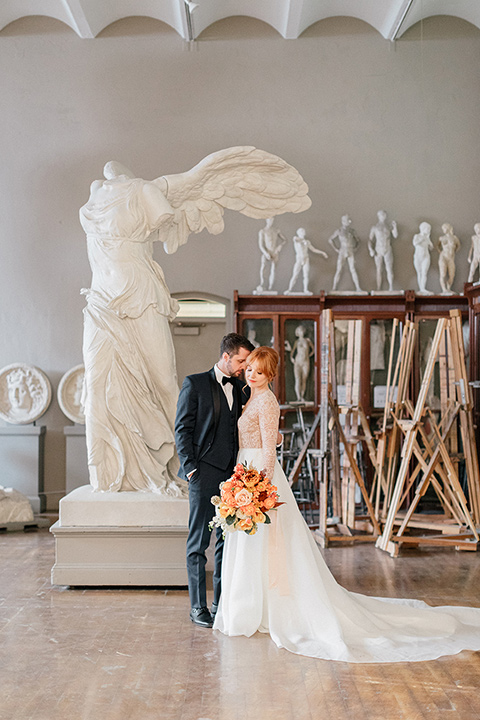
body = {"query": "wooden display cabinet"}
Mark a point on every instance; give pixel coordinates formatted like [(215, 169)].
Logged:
[(273, 319), (472, 293)]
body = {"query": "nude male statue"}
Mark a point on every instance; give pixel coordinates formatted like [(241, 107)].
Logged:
[(302, 261), (380, 248), (348, 242), (270, 242)]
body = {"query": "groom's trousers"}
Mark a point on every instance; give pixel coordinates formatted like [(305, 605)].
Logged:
[(201, 487)]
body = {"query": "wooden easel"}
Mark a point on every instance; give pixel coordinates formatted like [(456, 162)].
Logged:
[(340, 486), (434, 465)]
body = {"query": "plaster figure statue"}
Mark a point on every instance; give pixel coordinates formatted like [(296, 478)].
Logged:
[(345, 242), (251, 336), (340, 339), (447, 246), (380, 247), (300, 355), (302, 248), (377, 345), (466, 338), (69, 394), (421, 256), (14, 506), (131, 389), (270, 242), (474, 254), (25, 394)]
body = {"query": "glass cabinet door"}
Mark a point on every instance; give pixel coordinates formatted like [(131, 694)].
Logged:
[(380, 344), (258, 331), (299, 361)]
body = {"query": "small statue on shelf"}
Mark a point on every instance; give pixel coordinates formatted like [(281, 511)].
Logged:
[(447, 246), (421, 257), (252, 337), (378, 334), (300, 355), (474, 254), (347, 246), (302, 261), (380, 247), (270, 242)]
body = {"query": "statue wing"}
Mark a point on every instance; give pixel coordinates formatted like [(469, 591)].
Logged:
[(251, 181)]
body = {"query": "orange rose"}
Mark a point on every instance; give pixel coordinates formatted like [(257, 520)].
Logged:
[(225, 511), (245, 524), (258, 516), (269, 503), (243, 497), (228, 498)]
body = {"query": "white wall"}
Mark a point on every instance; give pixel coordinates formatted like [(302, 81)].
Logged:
[(370, 125)]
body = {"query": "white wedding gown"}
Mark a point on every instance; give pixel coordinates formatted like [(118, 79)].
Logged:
[(277, 582)]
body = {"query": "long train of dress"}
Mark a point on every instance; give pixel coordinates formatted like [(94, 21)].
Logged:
[(277, 582)]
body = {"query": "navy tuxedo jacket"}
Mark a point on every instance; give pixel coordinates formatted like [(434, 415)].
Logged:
[(198, 412)]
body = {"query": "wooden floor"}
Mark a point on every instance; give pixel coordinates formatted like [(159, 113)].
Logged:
[(100, 654)]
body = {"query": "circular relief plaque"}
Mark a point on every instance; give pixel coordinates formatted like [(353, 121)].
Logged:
[(69, 394), (25, 393)]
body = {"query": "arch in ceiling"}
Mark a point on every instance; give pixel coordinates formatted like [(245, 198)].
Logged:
[(122, 27), (7, 20), (290, 19), (417, 17), (236, 30)]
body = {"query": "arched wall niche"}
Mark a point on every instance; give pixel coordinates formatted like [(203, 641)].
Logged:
[(197, 336), (211, 303)]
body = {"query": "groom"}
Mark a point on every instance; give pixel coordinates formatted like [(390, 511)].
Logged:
[(206, 436)]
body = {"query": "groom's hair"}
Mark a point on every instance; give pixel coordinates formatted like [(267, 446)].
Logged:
[(232, 343)]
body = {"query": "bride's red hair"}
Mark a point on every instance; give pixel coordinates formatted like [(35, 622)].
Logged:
[(267, 360)]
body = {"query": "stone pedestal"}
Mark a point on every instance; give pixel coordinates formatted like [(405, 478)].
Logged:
[(22, 450), (129, 538), (76, 457)]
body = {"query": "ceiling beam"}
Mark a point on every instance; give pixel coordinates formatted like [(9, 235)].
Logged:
[(400, 18), (78, 18), (292, 25), (185, 26)]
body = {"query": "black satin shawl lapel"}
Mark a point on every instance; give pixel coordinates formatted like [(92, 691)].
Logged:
[(215, 388)]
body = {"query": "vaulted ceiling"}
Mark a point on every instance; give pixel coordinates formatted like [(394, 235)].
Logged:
[(289, 17)]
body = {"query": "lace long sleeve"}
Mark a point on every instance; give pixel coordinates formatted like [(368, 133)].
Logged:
[(269, 415)]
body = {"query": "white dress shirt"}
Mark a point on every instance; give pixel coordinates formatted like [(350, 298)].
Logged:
[(227, 388)]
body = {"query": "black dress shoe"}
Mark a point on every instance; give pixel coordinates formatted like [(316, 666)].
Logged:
[(213, 610), (201, 616)]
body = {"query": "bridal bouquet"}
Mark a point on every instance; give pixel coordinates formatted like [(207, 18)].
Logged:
[(244, 501)]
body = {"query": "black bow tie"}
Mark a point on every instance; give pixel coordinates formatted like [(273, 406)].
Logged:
[(226, 380)]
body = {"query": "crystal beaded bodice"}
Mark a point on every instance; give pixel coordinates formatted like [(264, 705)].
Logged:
[(258, 428)]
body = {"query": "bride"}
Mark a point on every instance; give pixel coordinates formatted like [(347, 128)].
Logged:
[(277, 582)]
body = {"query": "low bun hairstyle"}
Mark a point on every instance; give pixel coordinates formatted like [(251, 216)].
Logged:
[(267, 360)]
